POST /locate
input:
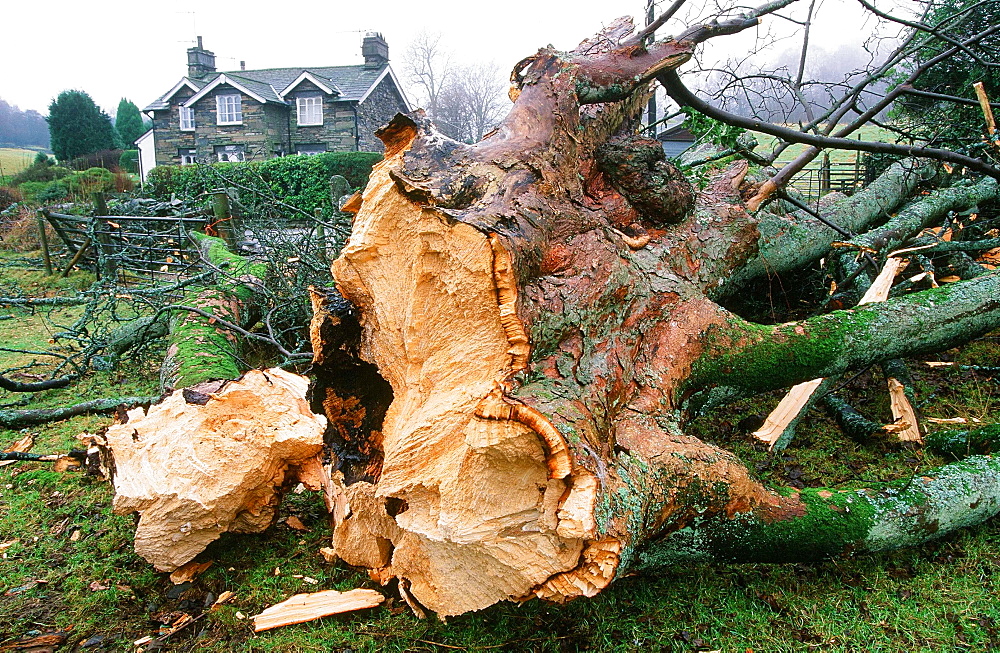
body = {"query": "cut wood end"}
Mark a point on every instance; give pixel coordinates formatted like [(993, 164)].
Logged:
[(194, 471), (307, 607), (596, 570)]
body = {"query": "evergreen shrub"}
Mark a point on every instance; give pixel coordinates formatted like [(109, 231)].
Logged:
[(299, 180)]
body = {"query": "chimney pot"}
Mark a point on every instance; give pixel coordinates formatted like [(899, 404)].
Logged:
[(375, 50), (243, 65), (201, 62)]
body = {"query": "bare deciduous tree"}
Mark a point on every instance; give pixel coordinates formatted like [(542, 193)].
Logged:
[(429, 67), (473, 102)]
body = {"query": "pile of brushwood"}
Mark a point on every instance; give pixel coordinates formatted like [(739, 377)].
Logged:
[(510, 367)]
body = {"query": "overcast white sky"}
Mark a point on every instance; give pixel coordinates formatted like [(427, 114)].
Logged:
[(114, 49)]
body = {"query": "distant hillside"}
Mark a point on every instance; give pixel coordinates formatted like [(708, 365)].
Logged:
[(22, 128)]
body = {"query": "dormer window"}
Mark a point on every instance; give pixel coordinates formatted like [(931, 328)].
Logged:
[(310, 110), (229, 109), (187, 119)]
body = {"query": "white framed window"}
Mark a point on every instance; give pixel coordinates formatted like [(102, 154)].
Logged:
[(310, 110), (230, 153), (187, 119), (187, 156), (229, 109), (310, 149)]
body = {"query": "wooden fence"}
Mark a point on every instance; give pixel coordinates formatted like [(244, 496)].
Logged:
[(129, 247)]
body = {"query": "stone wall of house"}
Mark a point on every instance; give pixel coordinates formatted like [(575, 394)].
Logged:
[(381, 105), (336, 134), (276, 121), (254, 134), (168, 137)]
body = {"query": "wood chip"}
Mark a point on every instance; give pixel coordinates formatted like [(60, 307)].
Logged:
[(296, 523), (307, 607), (20, 446), (787, 409), (225, 597), (902, 412), (938, 364), (188, 572), (947, 420)]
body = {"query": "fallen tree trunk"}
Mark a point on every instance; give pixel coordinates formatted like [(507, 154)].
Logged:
[(546, 330), (530, 328)]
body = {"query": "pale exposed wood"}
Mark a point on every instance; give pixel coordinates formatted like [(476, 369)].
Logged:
[(879, 290), (790, 406), (196, 471), (902, 412), (473, 508), (780, 424), (22, 446), (984, 103), (188, 572), (307, 607), (596, 571)]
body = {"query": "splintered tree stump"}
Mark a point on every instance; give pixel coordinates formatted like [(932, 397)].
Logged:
[(211, 459), (530, 328)]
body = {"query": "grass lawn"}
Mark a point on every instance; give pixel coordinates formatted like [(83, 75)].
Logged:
[(67, 562), (15, 159)]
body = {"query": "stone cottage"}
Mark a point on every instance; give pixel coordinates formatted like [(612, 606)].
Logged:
[(258, 114)]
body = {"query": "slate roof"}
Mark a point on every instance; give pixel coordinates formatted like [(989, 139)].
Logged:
[(352, 81)]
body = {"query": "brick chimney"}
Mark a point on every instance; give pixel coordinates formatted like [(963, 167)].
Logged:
[(375, 50), (201, 62)]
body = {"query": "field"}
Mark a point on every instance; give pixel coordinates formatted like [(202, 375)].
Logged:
[(67, 563), (14, 160), (866, 133)]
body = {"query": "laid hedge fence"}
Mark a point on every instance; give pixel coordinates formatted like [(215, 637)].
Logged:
[(298, 180)]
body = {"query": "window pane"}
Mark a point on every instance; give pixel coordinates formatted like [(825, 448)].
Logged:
[(310, 110), (228, 108), (187, 118)]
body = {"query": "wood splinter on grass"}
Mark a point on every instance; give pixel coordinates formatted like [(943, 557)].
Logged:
[(307, 607)]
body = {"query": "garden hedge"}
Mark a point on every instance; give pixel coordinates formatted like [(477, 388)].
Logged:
[(302, 181)]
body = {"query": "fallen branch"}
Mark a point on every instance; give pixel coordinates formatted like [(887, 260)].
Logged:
[(16, 419), (779, 427), (51, 384)]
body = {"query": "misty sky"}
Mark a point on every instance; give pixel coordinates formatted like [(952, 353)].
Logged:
[(118, 49)]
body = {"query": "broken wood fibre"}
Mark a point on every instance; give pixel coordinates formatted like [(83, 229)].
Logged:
[(469, 471), (196, 469)]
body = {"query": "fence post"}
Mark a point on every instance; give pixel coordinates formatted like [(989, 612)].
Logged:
[(225, 223), (320, 233), (824, 175), (44, 238), (107, 265)]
